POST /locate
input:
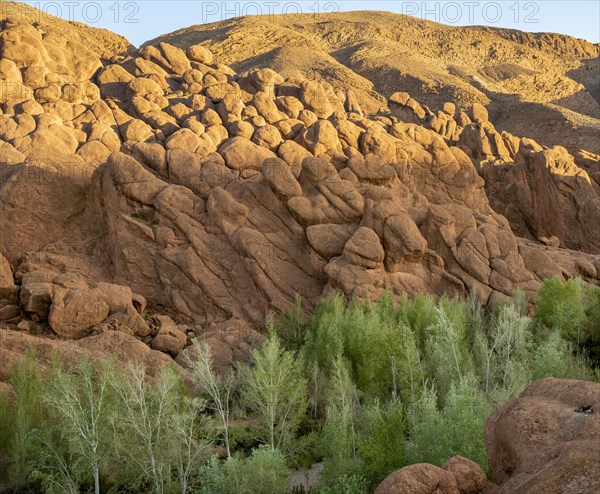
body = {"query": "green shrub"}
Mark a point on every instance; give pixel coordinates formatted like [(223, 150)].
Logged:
[(263, 472), (276, 391), (23, 419), (381, 440), (560, 306), (428, 441), (457, 429), (338, 437), (346, 484), (555, 358)]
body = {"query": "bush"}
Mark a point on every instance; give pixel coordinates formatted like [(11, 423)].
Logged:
[(555, 358), (346, 484), (457, 429), (560, 306), (263, 472), (381, 440), (428, 441), (387, 384), (22, 420)]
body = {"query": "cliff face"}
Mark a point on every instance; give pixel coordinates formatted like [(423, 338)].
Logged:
[(164, 183)]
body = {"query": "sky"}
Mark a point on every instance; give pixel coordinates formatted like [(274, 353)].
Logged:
[(141, 20)]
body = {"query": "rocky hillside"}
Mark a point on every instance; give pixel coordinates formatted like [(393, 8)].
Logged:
[(102, 42), (161, 194), (553, 79)]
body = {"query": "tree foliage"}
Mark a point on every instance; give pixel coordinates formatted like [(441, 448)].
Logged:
[(365, 387)]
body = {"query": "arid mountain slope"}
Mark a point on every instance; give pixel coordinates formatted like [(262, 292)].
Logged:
[(551, 79), (102, 42)]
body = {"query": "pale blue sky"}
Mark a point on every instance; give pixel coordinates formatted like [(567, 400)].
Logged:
[(141, 20)]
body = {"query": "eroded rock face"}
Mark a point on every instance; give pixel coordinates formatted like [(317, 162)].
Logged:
[(548, 439), (126, 349), (162, 175)]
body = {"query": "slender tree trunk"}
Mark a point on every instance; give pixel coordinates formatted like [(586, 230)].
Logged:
[(226, 432), (272, 435), (96, 478)]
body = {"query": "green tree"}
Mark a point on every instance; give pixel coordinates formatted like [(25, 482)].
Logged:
[(504, 353), (465, 414), (560, 305), (275, 390), (82, 402), (191, 441), (457, 429), (449, 360), (381, 440), (147, 437), (22, 415), (338, 443), (324, 334), (554, 357), (218, 389), (428, 441)]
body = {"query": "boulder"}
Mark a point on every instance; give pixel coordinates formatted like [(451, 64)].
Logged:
[(200, 54), (469, 476), (169, 338), (314, 98), (421, 478), (547, 440), (7, 282), (172, 59), (241, 154)]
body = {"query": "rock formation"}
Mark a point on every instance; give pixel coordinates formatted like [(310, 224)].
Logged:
[(547, 440), (160, 194), (543, 86)]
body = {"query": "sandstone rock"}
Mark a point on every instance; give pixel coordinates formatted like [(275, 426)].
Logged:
[(480, 114), (74, 313), (9, 312), (281, 179), (229, 342), (169, 338), (266, 107), (265, 80), (169, 57), (469, 476), (547, 439), (329, 240), (268, 137), (375, 141), (314, 98), (242, 154), (321, 138), (289, 105), (199, 53), (364, 249), (113, 81), (421, 478), (7, 282), (140, 171), (293, 154)]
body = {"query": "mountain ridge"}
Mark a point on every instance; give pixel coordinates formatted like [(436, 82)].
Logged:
[(503, 69)]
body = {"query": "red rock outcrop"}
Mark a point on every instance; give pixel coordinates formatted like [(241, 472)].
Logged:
[(547, 440), (164, 176)]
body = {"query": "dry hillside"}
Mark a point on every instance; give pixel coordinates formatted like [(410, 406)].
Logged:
[(102, 42), (550, 78)]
